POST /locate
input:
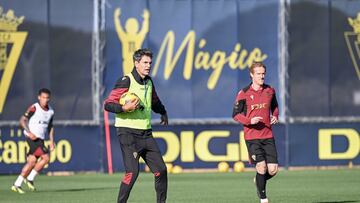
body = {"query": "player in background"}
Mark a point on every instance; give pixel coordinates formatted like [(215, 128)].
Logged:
[(256, 108), (133, 125), (37, 122)]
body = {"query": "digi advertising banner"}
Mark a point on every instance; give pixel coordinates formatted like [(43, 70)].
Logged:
[(324, 144), (204, 146), (46, 44), (77, 149), (190, 146), (202, 49)]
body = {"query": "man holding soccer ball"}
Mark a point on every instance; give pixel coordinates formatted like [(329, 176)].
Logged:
[(256, 108), (133, 124)]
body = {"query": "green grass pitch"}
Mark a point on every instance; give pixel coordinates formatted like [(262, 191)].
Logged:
[(322, 186)]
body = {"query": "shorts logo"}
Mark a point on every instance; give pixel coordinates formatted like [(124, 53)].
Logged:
[(253, 157), (135, 154), (353, 43), (237, 105), (11, 45)]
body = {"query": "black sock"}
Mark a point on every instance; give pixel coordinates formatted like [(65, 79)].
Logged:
[(261, 184), (268, 176)]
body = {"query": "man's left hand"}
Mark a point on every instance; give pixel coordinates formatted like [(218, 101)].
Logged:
[(164, 119), (274, 120)]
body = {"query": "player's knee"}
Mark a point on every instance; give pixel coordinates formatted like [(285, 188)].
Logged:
[(130, 177), (162, 172), (46, 158), (261, 168), (31, 162), (272, 171), (133, 174)]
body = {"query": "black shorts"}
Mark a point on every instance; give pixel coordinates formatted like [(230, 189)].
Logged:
[(37, 147), (262, 150)]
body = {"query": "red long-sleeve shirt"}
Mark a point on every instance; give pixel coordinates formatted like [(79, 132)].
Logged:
[(251, 103)]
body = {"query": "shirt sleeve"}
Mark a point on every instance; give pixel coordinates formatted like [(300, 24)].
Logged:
[(111, 103), (274, 106), (240, 109), (156, 104), (30, 111)]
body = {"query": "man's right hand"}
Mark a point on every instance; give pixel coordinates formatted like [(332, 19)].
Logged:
[(164, 119), (131, 105), (255, 120)]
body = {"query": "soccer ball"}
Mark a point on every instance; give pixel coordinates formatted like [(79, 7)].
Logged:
[(223, 167), (127, 97), (239, 166)]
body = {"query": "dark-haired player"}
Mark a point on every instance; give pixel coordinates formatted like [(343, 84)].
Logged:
[(37, 122), (133, 125)]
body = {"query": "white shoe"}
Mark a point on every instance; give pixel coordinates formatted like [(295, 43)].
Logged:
[(264, 200)]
